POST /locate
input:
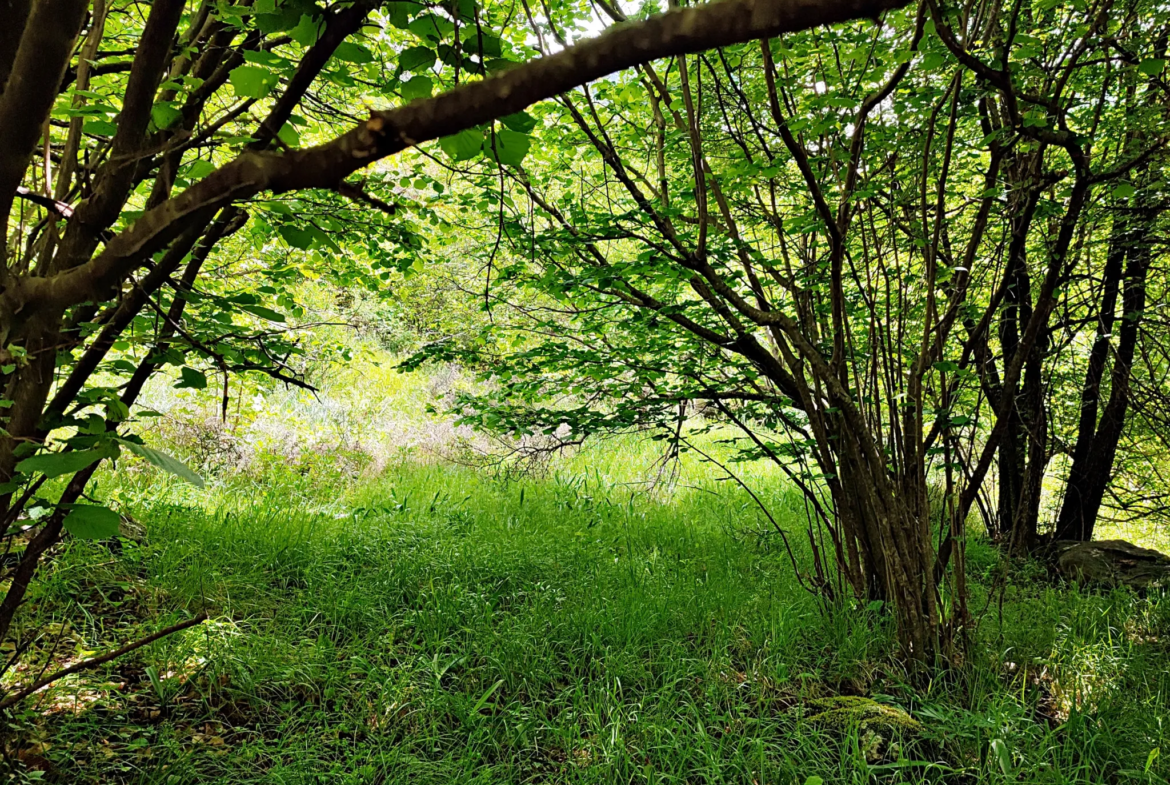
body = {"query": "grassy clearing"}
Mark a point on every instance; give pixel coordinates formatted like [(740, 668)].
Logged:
[(438, 626)]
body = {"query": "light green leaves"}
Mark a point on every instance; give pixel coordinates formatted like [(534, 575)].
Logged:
[(933, 60), (198, 169), (1124, 191), (251, 81), (269, 60), (92, 522), (289, 135)]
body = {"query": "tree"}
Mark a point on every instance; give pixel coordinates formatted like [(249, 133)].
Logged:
[(861, 247), (131, 149)]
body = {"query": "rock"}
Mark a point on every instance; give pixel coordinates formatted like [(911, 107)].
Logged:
[(1111, 563), (879, 726)]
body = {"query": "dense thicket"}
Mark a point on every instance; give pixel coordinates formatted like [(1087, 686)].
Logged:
[(910, 264), (905, 259)]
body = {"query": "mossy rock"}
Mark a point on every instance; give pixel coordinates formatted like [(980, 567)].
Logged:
[(878, 726), (1110, 563)]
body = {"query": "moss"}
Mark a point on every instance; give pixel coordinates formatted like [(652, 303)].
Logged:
[(877, 724), (845, 711)]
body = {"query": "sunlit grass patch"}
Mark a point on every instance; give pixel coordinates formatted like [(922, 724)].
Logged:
[(435, 624)]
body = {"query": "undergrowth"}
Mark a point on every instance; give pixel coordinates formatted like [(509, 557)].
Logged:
[(434, 625)]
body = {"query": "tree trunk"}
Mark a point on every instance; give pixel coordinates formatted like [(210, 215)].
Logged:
[(1096, 445)]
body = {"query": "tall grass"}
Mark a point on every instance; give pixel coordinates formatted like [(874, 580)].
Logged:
[(435, 625)]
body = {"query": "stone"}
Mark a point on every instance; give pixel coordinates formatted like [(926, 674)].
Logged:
[(1110, 563)]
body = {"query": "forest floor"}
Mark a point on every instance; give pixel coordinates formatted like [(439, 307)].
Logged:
[(435, 625)]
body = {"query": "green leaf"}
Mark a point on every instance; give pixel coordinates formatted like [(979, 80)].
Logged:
[(251, 81), (521, 122), (1124, 191), (165, 462), (164, 115), (307, 31), (353, 53), (509, 147), (288, 134), (449, 54), (466, 9), (416, 58), (491, 44), (100, 128), (192, 379), (431, 27), (1152, 66), (116, 410), (54, 464), (197, 170), (497, 64), (269, 22), (463, 145), (264, 313), (297, 238), (1003, 757), (322, 239), (932, 60), (814, 780), (267, 58), (479, 704), (399, 13), (91, 522), (416, 87)]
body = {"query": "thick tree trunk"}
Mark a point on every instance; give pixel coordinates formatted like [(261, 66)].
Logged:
[(896, 547)]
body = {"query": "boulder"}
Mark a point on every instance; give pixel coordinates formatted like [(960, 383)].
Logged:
[(1110, 563)]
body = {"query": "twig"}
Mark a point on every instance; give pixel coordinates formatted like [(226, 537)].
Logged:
[(63, 209), (356, 192), (93, 663)]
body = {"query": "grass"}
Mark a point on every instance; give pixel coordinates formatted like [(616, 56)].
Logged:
[(434, 625)]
